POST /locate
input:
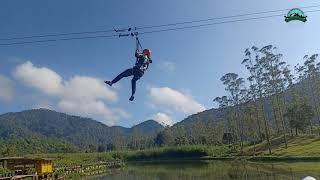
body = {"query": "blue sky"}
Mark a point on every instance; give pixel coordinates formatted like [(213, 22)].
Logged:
[(184, 78)]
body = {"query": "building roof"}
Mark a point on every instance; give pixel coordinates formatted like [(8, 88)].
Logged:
[(25, 158)]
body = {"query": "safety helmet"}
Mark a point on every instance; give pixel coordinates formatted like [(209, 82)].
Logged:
[(147, 52)]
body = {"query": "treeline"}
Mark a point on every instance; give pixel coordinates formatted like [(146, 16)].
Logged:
[(273, 100), (33, 145), (46, 131)]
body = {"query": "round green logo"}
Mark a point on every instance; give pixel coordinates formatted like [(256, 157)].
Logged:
[(296, 15)]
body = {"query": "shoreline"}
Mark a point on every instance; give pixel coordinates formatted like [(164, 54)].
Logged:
[(105, 167), (235, 158)]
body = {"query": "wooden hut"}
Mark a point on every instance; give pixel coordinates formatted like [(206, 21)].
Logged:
[(23, 166), (43, 166)]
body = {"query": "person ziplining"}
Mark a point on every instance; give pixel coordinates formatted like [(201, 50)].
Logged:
[(142, 64)]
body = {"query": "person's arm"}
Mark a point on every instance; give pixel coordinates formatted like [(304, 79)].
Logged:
[(138, 54)]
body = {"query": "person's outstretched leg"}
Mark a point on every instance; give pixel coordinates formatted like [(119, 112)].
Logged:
[(126, 73), (133, 87), (137, 75)]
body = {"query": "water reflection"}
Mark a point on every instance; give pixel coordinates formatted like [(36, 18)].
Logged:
[(193, 170)]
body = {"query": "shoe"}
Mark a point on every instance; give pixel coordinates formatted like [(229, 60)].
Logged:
[(131, 98), (108, 82)]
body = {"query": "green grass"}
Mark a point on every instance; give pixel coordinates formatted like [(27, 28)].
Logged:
[(174, 152), (2, 170), (73, 159), (188, 151), (300, 146)]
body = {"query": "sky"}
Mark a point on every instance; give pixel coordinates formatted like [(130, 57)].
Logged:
[(67, 76)]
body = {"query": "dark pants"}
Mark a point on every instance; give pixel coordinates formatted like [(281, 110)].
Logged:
[(135, 72)]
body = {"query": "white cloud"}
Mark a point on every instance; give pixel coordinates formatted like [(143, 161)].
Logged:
[(174, 99), (43, 78), (41, 102), (43, 105), (92, 109), (80, 95), (6, 88), (87, 88), (163, 119)]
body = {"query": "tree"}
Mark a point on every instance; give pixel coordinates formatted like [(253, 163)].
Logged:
[(257, 86), (110, 147), (274, 83), (136, 139), (299, 115), (224, 103), (308, 78), (164, 137), (101, 148), (92, 148), (234, 85)]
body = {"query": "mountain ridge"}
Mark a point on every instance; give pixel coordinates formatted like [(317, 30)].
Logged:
[(78, 131)]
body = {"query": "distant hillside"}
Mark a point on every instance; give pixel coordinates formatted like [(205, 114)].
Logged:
[(209, 126), (210, 115), (83, 133), (148, 127)]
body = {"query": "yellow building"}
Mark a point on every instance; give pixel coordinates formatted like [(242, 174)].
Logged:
[(43, 166), (23, 166)]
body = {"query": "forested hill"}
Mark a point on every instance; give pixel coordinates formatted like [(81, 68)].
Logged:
[(76, 132), (210, 115), (271, 102)]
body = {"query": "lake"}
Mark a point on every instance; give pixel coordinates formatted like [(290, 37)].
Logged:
[(193, 170)]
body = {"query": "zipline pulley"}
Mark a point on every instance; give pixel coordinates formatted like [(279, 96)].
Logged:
[(129, 33), (132, 34), (122, 30)]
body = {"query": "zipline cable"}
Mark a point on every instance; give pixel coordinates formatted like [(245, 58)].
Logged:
[(223, 17), (62, 39), (217, 23), (55, 35), (150, 32), (154, 26)]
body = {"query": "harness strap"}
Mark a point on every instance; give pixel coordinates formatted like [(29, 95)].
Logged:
[(138, 44)]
